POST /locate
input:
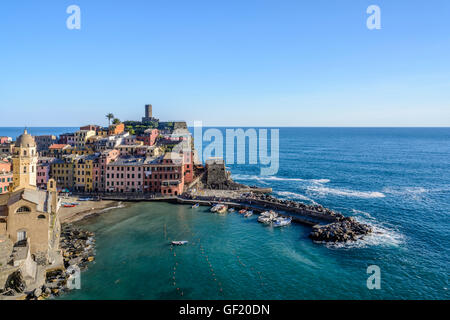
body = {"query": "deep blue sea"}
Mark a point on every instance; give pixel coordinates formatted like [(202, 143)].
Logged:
[(397, 179)]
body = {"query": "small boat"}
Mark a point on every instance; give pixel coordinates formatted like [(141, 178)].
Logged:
[(264, 219), (280, 222), (231, 210), (215, 207), (248, 214), (242, 211), (195, 206), (68, 205), (179, 243), (222, 209)]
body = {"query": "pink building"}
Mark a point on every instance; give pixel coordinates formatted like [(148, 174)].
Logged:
[(149, 137), (125, 175), (165, 175), (5, 140), (99, 169), (5, 176), (43, 171)]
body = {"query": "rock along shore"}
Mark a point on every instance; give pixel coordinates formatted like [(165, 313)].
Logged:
[(339, 228), (78, 249)]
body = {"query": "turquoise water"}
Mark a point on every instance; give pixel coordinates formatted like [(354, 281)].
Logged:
[(228, 257), (396, 179)]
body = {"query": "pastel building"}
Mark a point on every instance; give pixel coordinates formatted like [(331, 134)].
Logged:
[(5, 180), (99, 169), (81, 137), (67, 138), (6, 176), (125, 175), (164, 175), (43, 171), (149, 137), (43, 142), (4, 140)]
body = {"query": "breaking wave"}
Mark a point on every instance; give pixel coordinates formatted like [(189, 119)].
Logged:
[(294, 196), (382, 235), (275, 178), (415, 193), (322, 191)]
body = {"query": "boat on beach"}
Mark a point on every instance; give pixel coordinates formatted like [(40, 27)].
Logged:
[(179, 243)]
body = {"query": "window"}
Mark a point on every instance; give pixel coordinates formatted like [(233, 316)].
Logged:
[(41, 216), (23, 209)]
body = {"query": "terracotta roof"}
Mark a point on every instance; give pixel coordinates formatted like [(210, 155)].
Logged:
[(57, 146)]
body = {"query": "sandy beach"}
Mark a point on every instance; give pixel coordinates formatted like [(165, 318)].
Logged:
[(84, 209)]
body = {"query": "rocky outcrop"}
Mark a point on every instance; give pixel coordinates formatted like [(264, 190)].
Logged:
[(14, 284), (78, 246), (78, 250), (346, 229)]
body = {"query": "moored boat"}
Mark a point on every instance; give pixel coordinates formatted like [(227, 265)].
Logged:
[(248, 214), (231, 210), (280, 222), (222, 209), (179, 243), (242, 211), (195, 206)]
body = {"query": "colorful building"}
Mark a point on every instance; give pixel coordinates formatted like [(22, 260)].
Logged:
[(43, 171), (99, 169), (125, 175), (164, 175), (44, 142), (61, 170), (149, 137), (81, 137)]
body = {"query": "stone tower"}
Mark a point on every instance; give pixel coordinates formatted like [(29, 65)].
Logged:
[(148, 111), (24, 162)]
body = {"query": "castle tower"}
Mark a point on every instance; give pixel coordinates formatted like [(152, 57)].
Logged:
[(148, 111), (24, 162)]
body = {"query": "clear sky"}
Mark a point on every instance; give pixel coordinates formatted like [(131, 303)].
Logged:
[(233, 62)]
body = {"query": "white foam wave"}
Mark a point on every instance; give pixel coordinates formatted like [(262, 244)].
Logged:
[(363, 213), (120, 205), (382, 235), (294, 196), (415, 193), (275, 178), (322, 191)]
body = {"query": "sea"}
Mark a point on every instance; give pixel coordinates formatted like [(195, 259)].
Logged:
[(395, 179)]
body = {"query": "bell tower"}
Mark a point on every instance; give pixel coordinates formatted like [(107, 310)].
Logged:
[(24, 162)]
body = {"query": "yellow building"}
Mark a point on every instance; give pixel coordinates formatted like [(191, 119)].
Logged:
[(29, 223), (83, 173), (24, 162), (81, 137), (62, 170)]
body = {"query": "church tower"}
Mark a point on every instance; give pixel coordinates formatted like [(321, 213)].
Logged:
[(24, 162)]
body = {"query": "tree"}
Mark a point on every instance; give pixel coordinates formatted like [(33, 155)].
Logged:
[(116, 121), (109, 116)]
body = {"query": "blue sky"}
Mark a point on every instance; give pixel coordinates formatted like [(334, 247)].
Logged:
[(241, 63)]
